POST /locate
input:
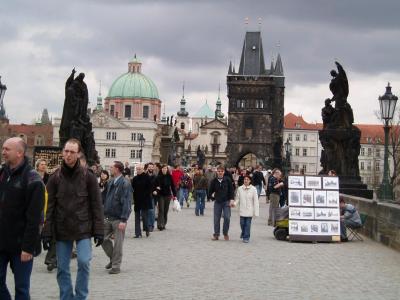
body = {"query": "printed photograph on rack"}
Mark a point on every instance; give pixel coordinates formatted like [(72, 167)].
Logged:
[(330, 183), (332, 198), (307, 198), (327, 214), (296, 182), (319, 198), (301, 213), (313, 182), (294, 197), (293, 227)]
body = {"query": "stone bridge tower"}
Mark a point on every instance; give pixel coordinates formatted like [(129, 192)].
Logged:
[(256, 100)]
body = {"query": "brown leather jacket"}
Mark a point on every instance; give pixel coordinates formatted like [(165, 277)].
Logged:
[(75, 209)]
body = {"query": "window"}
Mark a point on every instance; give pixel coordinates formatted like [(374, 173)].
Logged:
[(369, 151), (369, 166), (133, 154), (362, 165), (362, 152), (297, 137), (112, 107), (114, 135), (378, 152), (259, 104), (304, 152), (128, 111), (242, 104), (145, 112), (304, 168), (133, 136), (182, 125), (108, 135), (305, 137), (290, 137), (377, 165), (237, 103), (113, 153), (107, 152), (39, 140), (297, 152), (296, 168)]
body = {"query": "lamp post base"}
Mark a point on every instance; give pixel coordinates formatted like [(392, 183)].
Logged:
[(385, 192)]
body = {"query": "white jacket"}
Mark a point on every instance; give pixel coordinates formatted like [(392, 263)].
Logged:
[(246, 200)]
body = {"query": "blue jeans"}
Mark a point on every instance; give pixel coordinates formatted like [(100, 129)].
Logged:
[(84, 252), (245, 225), (183, 195), (218, 208), (258, 188), (200, 201), (22, 276), (151, 215)]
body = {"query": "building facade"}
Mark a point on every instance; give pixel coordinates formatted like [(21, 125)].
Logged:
[(255, 112)]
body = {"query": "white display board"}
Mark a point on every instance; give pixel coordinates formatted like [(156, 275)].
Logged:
[(314, 212)]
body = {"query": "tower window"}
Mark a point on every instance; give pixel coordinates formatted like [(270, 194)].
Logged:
[(182, 125), (128, 111), (145, 112)]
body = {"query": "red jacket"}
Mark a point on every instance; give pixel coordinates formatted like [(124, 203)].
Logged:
[(176, 177)]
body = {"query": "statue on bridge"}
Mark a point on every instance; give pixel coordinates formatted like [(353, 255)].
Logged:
[(75, 122)]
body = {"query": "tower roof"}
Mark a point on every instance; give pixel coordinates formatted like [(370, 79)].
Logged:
[(252, 59), (278, 67), (205, 111)]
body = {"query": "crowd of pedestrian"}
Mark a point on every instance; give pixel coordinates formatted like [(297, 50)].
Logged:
[(65, 210)]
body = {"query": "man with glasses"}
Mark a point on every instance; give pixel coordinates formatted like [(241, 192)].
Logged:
[(221, 190), (74, 213)]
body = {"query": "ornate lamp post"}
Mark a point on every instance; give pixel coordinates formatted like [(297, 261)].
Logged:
[(288, 151), (3, 89), (141, 145), (388, 105)]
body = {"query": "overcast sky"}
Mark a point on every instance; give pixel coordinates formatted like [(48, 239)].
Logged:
[(193, 41)]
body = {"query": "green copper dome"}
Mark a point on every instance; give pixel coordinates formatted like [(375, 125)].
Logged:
[(133, 84)]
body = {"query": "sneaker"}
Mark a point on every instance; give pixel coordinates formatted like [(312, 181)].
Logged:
[(241, 236), (245, 241), (108, 266), (147, 233), (114, 271), (226, 237), (215, 237)]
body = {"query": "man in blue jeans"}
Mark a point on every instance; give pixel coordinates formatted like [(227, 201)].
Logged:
[(21, 206), (74, 213), (221, 190)]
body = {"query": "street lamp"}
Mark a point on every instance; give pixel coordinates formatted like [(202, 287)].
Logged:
[(288, 151), (141, 145), (190, 148), (388, 105), (3, 89)]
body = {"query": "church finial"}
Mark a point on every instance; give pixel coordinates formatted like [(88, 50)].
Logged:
[(100, 89), (99, 105), (183, 89), (259, 23)]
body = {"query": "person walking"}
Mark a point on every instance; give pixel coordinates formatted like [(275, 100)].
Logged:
[(185, 186), (74, 213), (22, 196), (275, 189), (246, 200), (221, 190), (164, 188), (258, 179), (117, 197), (142, 187), (152, 210), (210, 175), (200, 185)]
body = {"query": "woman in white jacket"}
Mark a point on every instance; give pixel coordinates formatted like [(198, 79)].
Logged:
[(246, 200)]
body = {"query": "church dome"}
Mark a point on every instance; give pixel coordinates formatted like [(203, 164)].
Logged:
[(133, 84)]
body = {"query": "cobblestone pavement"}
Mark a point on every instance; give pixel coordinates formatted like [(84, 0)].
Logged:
[(183, 263)]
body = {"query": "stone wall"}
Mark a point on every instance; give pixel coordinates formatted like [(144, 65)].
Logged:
[(383, 220)]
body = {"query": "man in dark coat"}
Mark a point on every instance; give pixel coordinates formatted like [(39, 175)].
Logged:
[(74, 213), (21, 205), (142, 188)]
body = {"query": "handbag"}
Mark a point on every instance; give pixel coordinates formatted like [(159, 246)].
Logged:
[(176, 206)]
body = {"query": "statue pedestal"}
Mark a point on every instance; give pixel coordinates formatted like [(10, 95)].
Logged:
[(341, 148)]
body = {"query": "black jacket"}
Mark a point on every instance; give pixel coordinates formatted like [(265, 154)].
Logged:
[(223, 191), (164, 185), (258, 178), (21, 204), (142, 189), (118, 199)]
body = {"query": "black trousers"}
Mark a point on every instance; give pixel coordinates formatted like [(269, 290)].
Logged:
[(144, 214)]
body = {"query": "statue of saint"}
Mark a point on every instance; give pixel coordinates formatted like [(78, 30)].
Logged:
[(339, 86)]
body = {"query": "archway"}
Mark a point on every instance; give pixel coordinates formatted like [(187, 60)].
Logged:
[(247, 160)]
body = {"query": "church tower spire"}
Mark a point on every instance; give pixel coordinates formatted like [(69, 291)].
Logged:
[(99, 100), (182, 112), (218, 112)]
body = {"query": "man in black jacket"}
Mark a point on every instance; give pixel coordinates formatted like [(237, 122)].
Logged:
[(258, 179), (221, 190), (21, 205)]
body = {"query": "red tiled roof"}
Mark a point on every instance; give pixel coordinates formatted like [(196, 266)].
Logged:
[(292, 121), (370, 133)]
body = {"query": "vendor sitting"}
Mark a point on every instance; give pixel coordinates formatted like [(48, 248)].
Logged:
[(349, 217)]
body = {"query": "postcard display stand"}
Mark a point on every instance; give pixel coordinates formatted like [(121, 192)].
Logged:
[(314, 213)]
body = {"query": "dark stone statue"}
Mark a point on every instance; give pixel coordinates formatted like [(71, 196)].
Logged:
[(340, 139), (201, 158), (75, 122)]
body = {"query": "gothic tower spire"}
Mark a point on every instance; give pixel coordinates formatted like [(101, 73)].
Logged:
[(182, 112)]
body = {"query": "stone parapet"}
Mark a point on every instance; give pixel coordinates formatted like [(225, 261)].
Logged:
[(383, 221)]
